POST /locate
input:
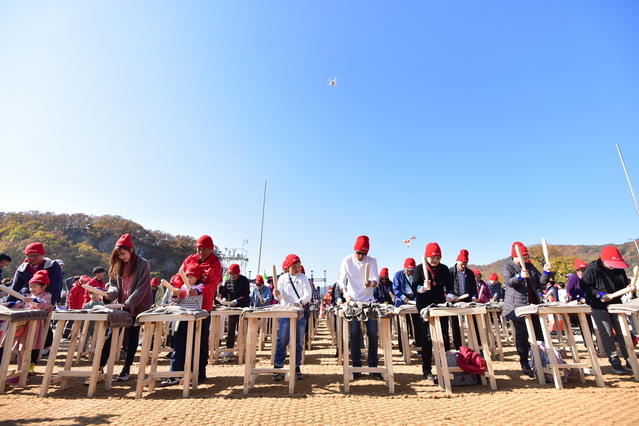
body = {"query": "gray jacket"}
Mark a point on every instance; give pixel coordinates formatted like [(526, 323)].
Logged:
[(141, 297), (516, 290)]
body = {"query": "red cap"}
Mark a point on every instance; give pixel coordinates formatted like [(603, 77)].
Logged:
[(476, 272), (124, 241), (580, 264), (35, 248), (85, 278), (205, 241), (362, 244), (432, 249), (155, 281), (195, 271), (494, 277), (40, 277), (284, 267), (234, 269), (291, 259), (259, 279), (384, 273), (611, 257), (462, 256), (513, 252), (409, 263)]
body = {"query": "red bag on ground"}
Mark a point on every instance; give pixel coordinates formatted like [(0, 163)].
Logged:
[(470, 361)]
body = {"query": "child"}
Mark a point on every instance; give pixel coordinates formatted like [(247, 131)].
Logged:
[(95, 301), (38, 286), (188, 299)]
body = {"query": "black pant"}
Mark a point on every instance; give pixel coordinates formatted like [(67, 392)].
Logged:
[(231, 328), (413, 322), (457, 335), (521, 337), (131, 343)]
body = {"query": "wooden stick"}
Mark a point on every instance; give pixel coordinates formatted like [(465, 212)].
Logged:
[(115, 306), (544, 246), (629, 288), (522, 262), (274, 278), (222, 302), (185, 279), (168, 285), (17, 295), (426, 279), (367, 273), (95, 290)]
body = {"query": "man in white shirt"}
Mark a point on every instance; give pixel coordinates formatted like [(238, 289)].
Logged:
[(358, 289), (293, 288)]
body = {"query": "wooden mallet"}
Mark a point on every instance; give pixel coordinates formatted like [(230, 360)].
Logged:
[(17, 295), (95, 290), (185, 279), (367, 274), (274, 278), (426, 278), (544, 246), (168, 285)]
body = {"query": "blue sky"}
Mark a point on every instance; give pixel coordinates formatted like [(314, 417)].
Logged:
[(473, 124)]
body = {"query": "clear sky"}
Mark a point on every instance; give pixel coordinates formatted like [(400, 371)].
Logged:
[(473, 124)]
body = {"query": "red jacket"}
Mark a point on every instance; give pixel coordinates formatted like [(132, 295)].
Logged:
[(76, 296), (211, 276)]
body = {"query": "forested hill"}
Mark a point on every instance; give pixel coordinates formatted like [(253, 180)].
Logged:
[(563, 256), (84, 242)]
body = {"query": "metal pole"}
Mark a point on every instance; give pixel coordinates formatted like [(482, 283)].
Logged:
[(632, 191), (259, 256)]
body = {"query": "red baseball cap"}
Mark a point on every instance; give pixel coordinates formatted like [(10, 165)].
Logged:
[(580, 264), (611, 257), (291, 259), (195, 271), (522, 248)]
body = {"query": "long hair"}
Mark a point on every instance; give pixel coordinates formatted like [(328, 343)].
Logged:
[(116, 268)]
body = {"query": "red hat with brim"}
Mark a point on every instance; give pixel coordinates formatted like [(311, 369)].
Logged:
[(195, 271), (611, 257), (580, 264), (290, 260)]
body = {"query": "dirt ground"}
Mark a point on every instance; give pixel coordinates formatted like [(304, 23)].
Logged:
[(319, 397)]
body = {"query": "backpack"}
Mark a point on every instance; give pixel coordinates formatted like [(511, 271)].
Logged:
[(545, 362)]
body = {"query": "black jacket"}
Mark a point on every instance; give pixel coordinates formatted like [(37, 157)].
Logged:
[(443, 284), (597, 278), (469, 283)]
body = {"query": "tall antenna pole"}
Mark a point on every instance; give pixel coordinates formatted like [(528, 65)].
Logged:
[(259, 257), (632, 191)]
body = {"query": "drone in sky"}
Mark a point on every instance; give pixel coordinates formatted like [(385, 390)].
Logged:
[(332, 82)]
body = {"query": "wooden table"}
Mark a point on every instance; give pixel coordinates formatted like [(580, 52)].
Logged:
[(566, 341), (101, 318), (12, 322), (215, 336), (385, 342), (493, 315), (153, 327), (443, 370), (402, 315), (250, 371)]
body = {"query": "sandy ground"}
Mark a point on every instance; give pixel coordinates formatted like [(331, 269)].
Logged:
[(319, 397)]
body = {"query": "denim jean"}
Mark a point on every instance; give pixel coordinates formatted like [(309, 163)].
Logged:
[(355, 331), (284, 336)]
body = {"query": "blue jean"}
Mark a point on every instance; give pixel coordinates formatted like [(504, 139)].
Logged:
[(355, 330), (284, 336)]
